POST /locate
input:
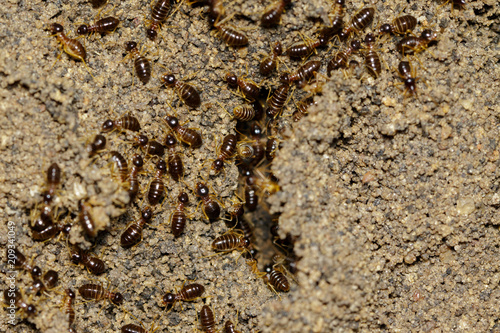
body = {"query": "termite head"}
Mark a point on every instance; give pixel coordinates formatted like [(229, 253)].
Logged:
[(129, 46), (232, 80), (116, 298), (285, 78), (171, 121), (36, 272), (201, 190), (183, 198), (245, 242), (82, 30), (142, 140), (169, 298), (71, 294), (170, 140), (385, 28), (429, 35), (108, 125), (218, 164), (76, 256), (137, 161), (356, 44), (151, 32), (147, 213), (278, 49), (169, 79), (56, 28), (369, 39)]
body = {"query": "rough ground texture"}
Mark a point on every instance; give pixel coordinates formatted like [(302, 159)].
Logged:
[(394, 199)]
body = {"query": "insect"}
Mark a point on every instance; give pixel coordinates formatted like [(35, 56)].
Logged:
[(412, 44), (187, 135), (253, 266), (230, 35), (372, 59), (244, 150), (408, 74), (159, 13), (178, 218), (258, 146), (231, 241), (157, 188), (16, 297), (141, 64), (277, 100), (277, 281), (187, 293), (86, 220), (67, 305), (272, 146), (211, 208), (251, 198), (230, 328), (174, 161), (107, 24), (303, 74), (120, 164), (97, 3), (244, 112), (71, 46), (49, 282), (125, 123), (303, 49), (273, 12), (97, 145), (44, 230), (137, 165), (268, 65), (341, 57), (359, 21), (19, 261), (225, 151), (53, 180), (249, 89), (93, 264), (337, 14), (186, 92), (207, 320), (133, 234), (150, 147), (302, 107), (400, 25), (97, 292)]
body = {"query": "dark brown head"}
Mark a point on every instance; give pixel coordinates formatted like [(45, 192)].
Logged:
[(161, 165), (232, 80), (459, 4), (169, 298), (82, 30), (245, 242), (56, 28), (99, 142), (66, 229), (285, 78), (36, 272), (278, 49), (129, 46), (169, 79), (30, 310), (385, 28), (183, 198), (53, 174), (170, 140), (410, 85), (340, 2), (428, 35), (142, 140), (255, 130), (151, 32), (71, 294), (116, 298), (108, 125), (137, 161), (370, 39), (147, 213), (355, 44), (218, 165), (202, 190), (171, 121), (75, 255)]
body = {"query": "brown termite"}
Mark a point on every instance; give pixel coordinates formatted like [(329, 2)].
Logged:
[(226, 151), (93, 264), (244, 150), (174, 161), (207, 320), (49, 231), (359, 21), (303, 49), (408, 75), (141, 64), (187, 135), (67, 305), (412, 44), (48, 281), (276, 280), (336, 22), (53, 179), (340, 59), (159, 13), (97, 3), (302, 108), (372, 59), (150, 147), (249, 89), (97, 292), (157, 188), (16, 297), (272, 146), (97, 145), (104, 25), (16, 258), (268, 64), (86, 219), (230, 35), (303, 74), (277, 100), (272, 14), (120, 164), (125, 123), (71, 46), (179, 218), (137, 165), (231, 241), (400, 25), (244, 112), (229, 327), (211, 207), (187, 293), (187, 93), (133, 234), (258, 146), (133, 328)]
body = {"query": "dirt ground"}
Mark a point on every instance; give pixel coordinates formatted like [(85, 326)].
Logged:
[(394, 198)]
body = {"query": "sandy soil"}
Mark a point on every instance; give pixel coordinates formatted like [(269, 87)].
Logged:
[(394, 198)]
